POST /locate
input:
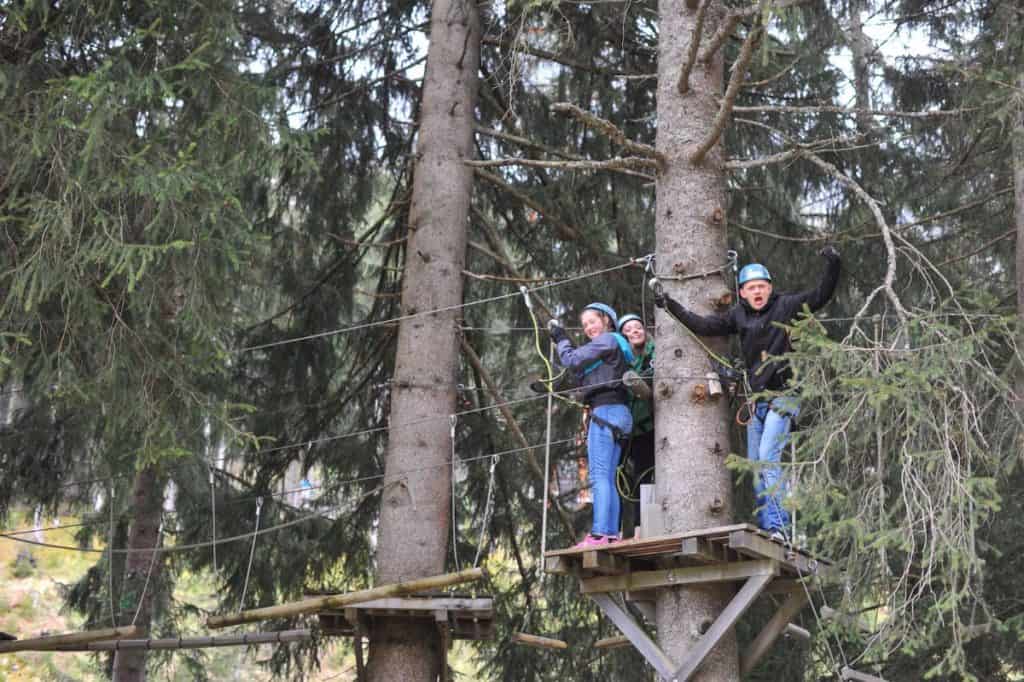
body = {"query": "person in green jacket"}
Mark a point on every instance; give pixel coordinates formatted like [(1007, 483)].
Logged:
[(641, 404)]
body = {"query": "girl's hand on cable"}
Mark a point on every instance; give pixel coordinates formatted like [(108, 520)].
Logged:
[(556, 331)]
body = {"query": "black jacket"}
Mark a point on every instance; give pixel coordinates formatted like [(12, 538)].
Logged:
[(760, 336)]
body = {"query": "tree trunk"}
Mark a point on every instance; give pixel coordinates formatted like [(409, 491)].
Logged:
[(694, 487), (136, 595), (1018, 184), (414, 518)]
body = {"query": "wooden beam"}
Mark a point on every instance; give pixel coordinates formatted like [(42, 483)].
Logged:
[(693, 575), (538, 642), (752, 544), (636, 635), (559, 565), (772, 630), (602, 562), (176, 643), (340, 600), (725, 621), (797, 632), (51, 642), (612, 642)]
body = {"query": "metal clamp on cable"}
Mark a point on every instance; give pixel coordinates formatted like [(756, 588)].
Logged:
[(526, 296)]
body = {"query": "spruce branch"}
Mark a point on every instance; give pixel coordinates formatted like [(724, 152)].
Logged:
[(528, 143), (886, 286), (852, 111), (739, 71), (691, 56), (725, 29), (611, 131), (623, 165), (565, 230)]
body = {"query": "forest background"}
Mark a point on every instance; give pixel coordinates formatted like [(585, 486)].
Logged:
[(210, 214)]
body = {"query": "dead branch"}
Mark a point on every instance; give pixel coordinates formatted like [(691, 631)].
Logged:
[(566, 231), (513, 425), (781, 157), (527, 142), (610, 130), (691, 56), (739, 72), (622, 165), (890, 247), (852, 111), (983, 247), (771, 79), (725, 30), (501, 278), (557, 58)]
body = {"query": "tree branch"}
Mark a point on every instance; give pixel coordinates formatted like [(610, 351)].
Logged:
[(610, 130), (622, 165), (527, 142), (739, 71), (890, 246), (558, 59), (691, 57), (853, 111), (725, 30), (565, 230)]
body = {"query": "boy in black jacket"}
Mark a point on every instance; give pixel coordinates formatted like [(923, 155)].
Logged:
[(763, 342)]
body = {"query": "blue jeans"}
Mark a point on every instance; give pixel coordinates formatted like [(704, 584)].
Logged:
[(767, 436), (603, 453)]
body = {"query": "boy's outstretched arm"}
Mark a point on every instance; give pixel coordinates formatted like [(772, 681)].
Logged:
[(701, 325), (817, 297)]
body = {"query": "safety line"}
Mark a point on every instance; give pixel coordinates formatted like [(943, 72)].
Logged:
[(270, 529), (435, 311)]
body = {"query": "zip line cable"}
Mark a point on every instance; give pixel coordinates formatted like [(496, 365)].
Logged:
[(149, 574), (270, 529), (252, 554), (435, 311)]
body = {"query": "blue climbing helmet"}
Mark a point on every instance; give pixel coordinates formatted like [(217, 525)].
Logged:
[(607, 310), (628, 318), (754, 271)]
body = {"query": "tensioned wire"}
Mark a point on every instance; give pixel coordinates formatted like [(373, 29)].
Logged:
[(435, 311)]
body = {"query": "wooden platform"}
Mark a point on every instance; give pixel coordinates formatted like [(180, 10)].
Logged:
[(740, 553), (720, 546), (458, 617)]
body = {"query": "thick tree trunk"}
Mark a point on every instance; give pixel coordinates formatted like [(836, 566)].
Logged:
[(694, 487), (136, 596), (414, 520)]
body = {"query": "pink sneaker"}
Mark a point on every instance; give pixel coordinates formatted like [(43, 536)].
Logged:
[(591, 542)]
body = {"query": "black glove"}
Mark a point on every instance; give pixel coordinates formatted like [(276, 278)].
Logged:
[(556, 331), (830, 252)]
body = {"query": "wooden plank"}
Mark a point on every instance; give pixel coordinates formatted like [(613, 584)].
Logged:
[(725, 621), (753, 545), (480, 607), (444, 629), (341, 600), (692, 575), (636, 635), (772, 630), (628, 548), (612, 642), (538, 642), (51, 642)]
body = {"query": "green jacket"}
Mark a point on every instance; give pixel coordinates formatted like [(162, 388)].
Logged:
[(643, 410)]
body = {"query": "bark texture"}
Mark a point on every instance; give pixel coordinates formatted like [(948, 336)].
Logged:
[(414, 519), (147, 506), (1018, 188), (694, 487)]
